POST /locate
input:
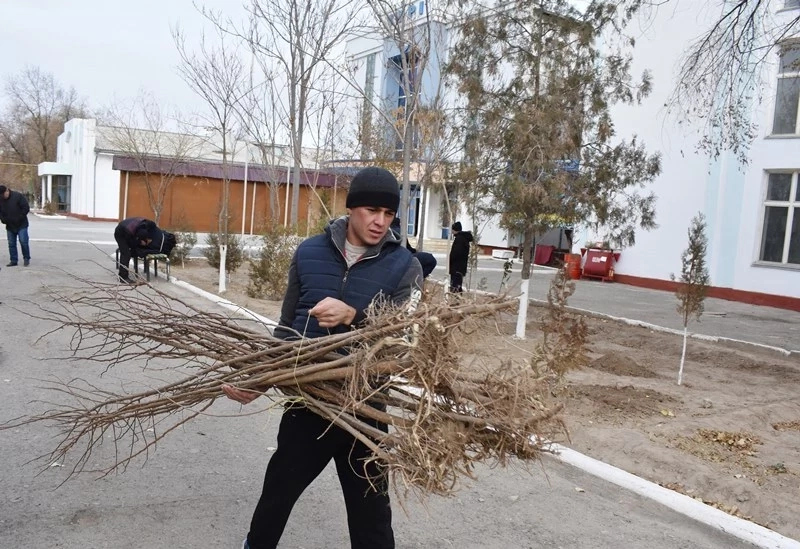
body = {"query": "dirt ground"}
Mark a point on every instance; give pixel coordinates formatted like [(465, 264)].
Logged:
[(729, 435)]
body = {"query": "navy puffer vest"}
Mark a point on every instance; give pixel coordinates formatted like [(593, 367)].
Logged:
[(322, 272)]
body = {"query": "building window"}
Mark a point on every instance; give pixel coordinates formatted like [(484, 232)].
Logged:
[(62, 191), (787, 96), (780, 238)]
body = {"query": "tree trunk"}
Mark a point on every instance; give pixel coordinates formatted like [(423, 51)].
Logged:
[(295, 195), (683, 353), (223, 216), (406, 190), (522, 315), (421, 218), (223, 256)]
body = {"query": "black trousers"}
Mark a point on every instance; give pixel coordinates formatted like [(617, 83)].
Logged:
[(125, 253), (456, 281), (306, 443)]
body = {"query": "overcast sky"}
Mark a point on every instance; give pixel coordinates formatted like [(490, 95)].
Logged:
[(103, 48)]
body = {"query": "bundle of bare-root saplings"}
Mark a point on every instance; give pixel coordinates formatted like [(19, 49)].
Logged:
[(404, 368)]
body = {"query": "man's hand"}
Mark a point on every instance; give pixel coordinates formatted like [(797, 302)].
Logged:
[(242, 396), (332, 312)]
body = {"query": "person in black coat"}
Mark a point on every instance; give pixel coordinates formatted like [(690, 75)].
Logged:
[(459, 257), (425, 259), (14, 215), (140, 237)]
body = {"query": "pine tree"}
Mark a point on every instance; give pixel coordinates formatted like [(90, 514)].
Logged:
[(538, 83), (694, 280)]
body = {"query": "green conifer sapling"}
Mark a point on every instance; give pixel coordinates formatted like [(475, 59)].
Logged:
[(694, 280)]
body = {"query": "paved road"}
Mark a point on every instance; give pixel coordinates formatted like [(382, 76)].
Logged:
[(199, 488)]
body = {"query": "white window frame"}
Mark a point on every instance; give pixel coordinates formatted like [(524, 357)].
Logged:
[(793, 205), (786, 75)]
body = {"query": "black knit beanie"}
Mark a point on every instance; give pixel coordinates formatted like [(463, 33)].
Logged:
[(375, 187), (456, 226)]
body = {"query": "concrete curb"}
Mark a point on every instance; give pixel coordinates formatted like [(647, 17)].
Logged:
[(222, 302), (47, 216), (699, 511)]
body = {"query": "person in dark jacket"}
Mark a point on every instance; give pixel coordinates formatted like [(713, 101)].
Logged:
[(333, 278), (459, 257), (14, 215), (140, 237), (428, 261)]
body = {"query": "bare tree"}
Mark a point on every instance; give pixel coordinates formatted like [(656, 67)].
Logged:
[(216, 74), (415, 41), (327, 114), (259, 111), (389, 128), (720, 78), (141, 130), (292, 39), (38, 108)]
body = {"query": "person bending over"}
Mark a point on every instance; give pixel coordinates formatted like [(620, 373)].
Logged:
[(140, 237)]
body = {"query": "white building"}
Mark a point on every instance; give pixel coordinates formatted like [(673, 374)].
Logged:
[(83, 182), (752, 212), (375, 61)]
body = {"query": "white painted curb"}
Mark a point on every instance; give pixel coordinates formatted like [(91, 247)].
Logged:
[(225, 303), (697, 510)]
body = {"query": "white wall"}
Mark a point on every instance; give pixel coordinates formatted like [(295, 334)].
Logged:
[(679, 188), (94, 185), (76, 147), (433, 219), (106, 189), (729, 194)]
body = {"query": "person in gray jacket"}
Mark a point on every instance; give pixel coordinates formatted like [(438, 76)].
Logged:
[(333, 278)]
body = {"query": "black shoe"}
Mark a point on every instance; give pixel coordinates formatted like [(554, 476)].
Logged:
[(26, 262), (12, 264)]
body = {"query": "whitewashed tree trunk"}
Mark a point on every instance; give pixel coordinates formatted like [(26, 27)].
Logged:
[(683, 354), (223, 253), (522, 317)]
